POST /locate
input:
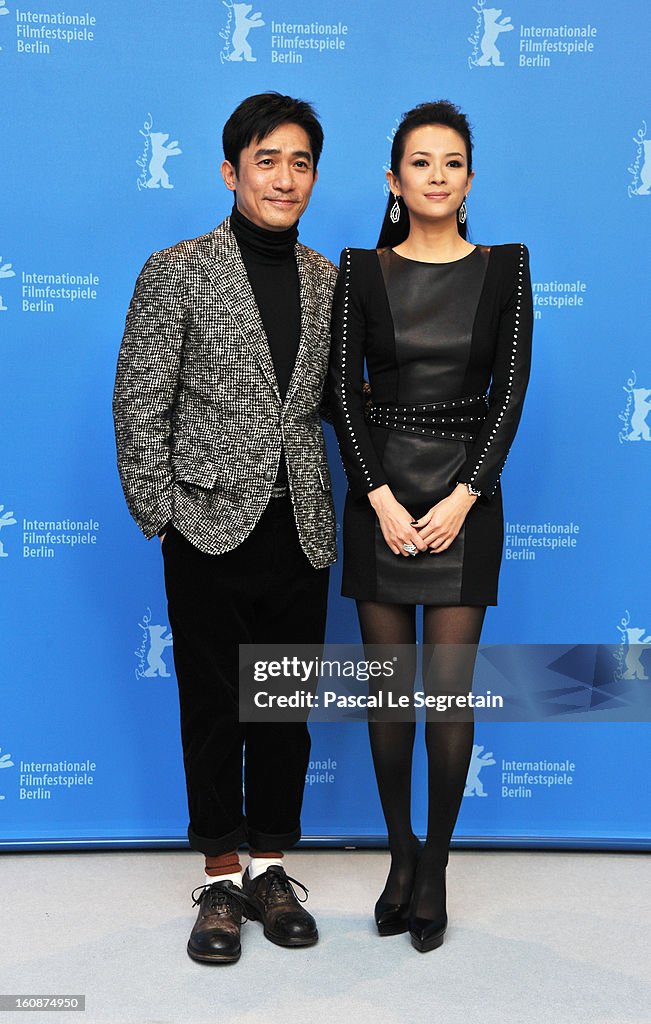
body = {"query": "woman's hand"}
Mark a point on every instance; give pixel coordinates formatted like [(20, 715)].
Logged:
[(439, 527), (395, 521)]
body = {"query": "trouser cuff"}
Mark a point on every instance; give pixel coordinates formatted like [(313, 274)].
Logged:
[(213, 846), (272, 841)]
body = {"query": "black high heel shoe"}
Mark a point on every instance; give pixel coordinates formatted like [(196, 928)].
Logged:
[(427, 934), (391, 918)]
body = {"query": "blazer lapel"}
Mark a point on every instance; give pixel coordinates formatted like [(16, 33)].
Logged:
[(222, 262), (308, 316)]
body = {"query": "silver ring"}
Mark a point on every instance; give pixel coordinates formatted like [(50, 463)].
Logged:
[(410, 548)]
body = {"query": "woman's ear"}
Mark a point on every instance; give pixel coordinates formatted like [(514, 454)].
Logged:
[(393, 183)]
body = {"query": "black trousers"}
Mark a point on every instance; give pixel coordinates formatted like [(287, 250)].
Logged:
[(264, 591)]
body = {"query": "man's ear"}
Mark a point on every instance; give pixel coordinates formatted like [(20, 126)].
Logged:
[(229, 174)]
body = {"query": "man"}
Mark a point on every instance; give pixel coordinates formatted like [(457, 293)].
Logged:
[(221, 453)]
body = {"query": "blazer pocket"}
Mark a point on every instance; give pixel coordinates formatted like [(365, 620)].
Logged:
[(201, 474)]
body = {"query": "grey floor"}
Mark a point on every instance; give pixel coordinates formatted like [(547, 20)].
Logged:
[(537, 938)]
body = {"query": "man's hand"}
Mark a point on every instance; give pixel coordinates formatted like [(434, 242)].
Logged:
[(395, 521), (439, 527)]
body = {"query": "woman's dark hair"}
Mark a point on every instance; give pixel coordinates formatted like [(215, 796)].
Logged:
[(442, 112), (258, 116)]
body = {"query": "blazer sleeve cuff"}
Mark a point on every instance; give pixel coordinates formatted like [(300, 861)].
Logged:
[(156, 519)]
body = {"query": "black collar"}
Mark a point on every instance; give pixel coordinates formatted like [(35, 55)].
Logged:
[(264, 245)]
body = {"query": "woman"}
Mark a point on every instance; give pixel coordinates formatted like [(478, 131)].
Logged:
[(445, 329)]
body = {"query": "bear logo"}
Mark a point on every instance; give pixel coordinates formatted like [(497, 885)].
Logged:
[(159, 153), (640, 430), (645, 170), (3, 10), (5, 268), (6, 519), (5, 762), (477, 762), (243, 25), (634, 667), (157, 644), (493, 28)]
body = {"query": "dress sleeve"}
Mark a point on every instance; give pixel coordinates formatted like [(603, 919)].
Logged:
[(510, 376), (349, 327)]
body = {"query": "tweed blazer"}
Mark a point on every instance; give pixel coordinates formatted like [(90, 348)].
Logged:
[(199, 421)]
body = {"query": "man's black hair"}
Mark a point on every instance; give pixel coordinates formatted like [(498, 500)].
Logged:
[(258, 116)]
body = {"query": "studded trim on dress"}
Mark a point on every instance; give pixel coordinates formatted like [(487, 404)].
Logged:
[(509, 390), (344, 398), (436, 419)]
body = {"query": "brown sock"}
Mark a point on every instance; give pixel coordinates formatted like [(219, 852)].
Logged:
[(224, 864), (274, 855)]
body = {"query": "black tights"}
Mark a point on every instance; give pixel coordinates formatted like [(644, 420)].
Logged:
[(448, 743)]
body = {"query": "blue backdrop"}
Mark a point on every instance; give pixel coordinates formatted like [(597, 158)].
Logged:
[(110, 150)]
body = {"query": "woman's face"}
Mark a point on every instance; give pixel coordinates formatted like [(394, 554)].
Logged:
[(433, 178)]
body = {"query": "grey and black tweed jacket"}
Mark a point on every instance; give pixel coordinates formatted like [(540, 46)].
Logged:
[(199, 422)]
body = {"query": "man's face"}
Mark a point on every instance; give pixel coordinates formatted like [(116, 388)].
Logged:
[(275, 178)]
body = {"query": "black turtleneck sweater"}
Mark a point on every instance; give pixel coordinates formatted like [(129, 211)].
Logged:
[(270, 261)]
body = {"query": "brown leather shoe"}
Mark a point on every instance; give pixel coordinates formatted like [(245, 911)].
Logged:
[(273, 901), (215, 938)]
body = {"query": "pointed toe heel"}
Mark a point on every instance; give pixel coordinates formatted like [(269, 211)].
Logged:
[(391, 918), (425, 934)]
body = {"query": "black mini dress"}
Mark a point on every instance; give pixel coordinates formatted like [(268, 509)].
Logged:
[(447, 351)]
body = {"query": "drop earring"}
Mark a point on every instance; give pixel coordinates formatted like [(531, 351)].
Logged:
[(463, 212), (394, 213)]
